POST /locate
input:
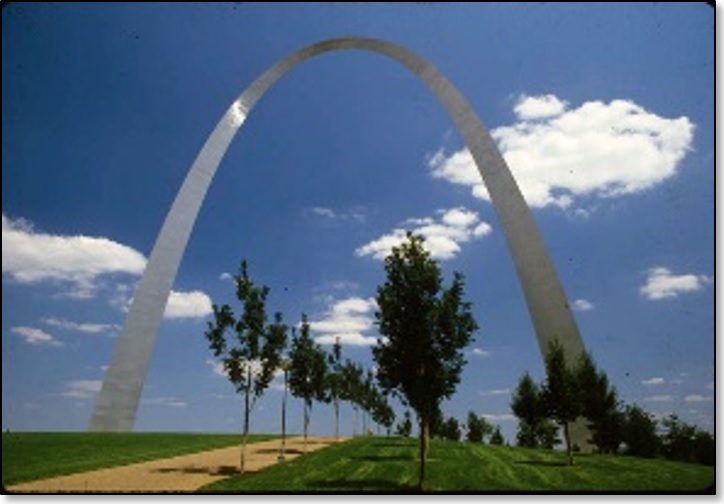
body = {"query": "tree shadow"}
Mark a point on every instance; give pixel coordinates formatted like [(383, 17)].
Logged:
[(287, 451), (550, 463), (211, 471), (366, 485), (384, 458)]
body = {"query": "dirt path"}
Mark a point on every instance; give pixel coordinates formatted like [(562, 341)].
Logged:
[(184, 473)]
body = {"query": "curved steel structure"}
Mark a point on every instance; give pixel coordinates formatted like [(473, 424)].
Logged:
[(117, 403)]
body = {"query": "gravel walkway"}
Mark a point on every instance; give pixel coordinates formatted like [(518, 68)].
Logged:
[(184, 473)]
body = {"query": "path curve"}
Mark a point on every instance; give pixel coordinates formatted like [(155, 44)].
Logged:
[(183, 473)]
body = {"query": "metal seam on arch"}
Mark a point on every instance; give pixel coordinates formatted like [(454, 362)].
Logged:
[(552, 318)]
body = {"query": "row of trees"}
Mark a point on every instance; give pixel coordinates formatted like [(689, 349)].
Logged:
[(424, 325), (583, 391), (477, 429), (252, 351)]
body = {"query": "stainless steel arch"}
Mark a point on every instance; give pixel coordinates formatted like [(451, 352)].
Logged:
[(117, 403)]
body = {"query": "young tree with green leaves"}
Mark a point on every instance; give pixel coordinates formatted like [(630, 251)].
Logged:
[(351, 390), (450, 429), (561, 397), (249, 349), (497, 438), (404, 428), (335, 382), (478, 428), (426, 327), (639, 433), (600, 406), (307, 371)]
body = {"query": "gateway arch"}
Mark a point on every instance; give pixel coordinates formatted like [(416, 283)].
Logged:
[(552, 318)]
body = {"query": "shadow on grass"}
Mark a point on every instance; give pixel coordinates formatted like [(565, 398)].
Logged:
[(287, 451), (366, 485), (550, 463), (384, 458)]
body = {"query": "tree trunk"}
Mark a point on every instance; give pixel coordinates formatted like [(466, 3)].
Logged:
[(567, 435), (356, 414), (306, 424), (246, 423), (336, 419), (424, 440)]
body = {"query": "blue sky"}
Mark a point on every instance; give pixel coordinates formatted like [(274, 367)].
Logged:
[(604, 113)]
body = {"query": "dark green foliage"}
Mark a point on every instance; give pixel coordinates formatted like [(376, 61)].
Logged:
[(335, 382), (426, 327), (600, 406), (307, 371), (686, 443), (248, 348), (404, 428), (704, 448), (352, 388), (535, 430), (497, 437), (639, 433), (561, 397), (478, 428), (450, 429)]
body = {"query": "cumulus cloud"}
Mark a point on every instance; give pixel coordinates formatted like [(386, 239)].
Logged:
[(216, 367), (443, 234), (654, 381), (226, 277), (662, 284), (85, 327), (559, 154), (35, 336), (30, 257), (582, 305), (81, 389), (480, 352), (347, 319), (194, 304)]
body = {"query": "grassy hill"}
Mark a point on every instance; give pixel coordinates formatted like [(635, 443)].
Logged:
[(390, 465), (30, 456)]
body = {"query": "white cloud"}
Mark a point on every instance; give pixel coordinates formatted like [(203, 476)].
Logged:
[(662, 284), (480, 352), (654, 381), (81, 389), (538, 107), (35, 336), (194, 304), (697, 398), (710, 386), (659, 398), (226, 276), (498, 417), (558, 154), (347, 319), (582, 305), (85, 327), (357, 213), (166, 401), (443, 234), (216, 367), (30, 257), (493, 392)]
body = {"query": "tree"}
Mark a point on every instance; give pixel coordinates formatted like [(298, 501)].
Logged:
[(478, 428), (307, 372), (534, 429), (450, 429), (600, 405), (497, 437), (561, 397), (678, 440), (249, 349), (426, 327), (404, 428), (335, 382), (639, 433), (351, 389)]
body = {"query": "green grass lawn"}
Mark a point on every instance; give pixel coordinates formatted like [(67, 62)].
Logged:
[(390, 465), (32, 456)]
